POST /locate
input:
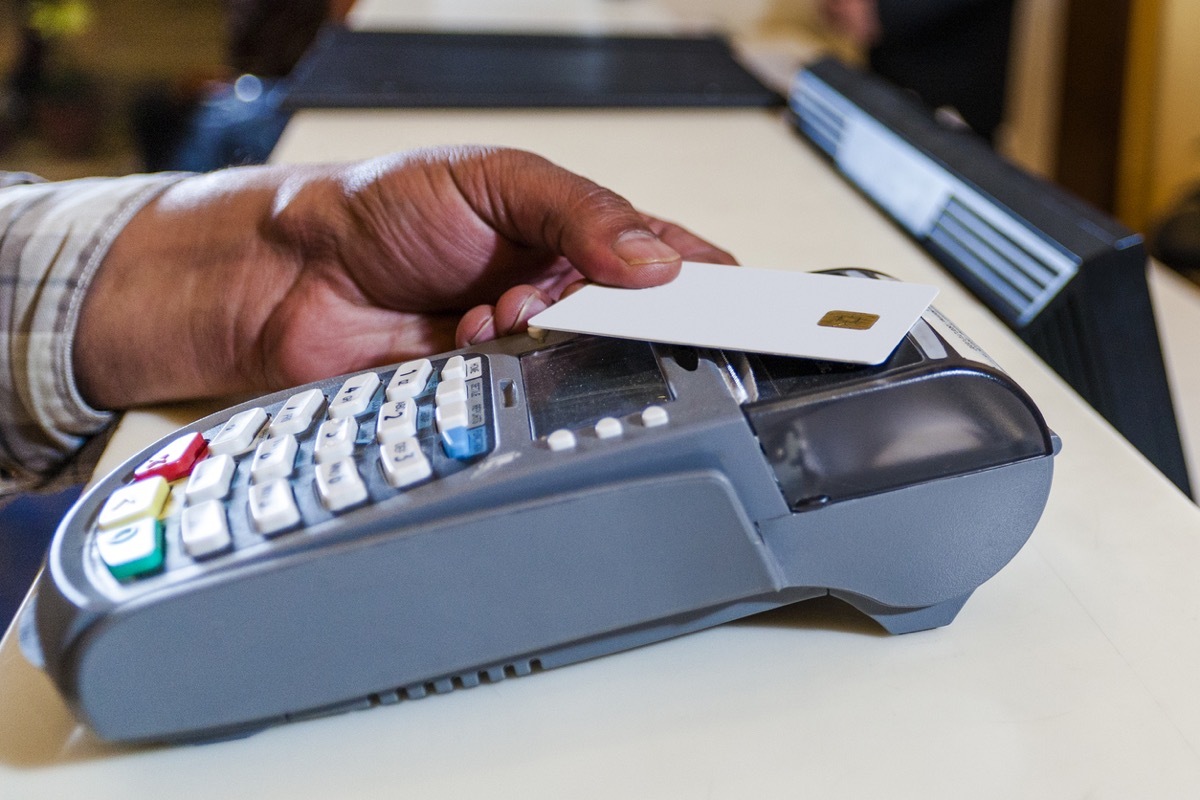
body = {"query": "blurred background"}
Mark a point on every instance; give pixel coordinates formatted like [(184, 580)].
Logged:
[(1101, 95), (74, 70)]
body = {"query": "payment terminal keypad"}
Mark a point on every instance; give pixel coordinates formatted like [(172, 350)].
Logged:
[(282, 469)]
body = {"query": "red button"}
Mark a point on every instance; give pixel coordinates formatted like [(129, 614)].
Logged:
[(175, 460)]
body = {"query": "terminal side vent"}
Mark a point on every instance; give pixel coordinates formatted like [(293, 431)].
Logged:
[(466, 680), (1021, 281)]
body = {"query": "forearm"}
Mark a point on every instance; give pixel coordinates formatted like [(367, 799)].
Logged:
[(173, 307)]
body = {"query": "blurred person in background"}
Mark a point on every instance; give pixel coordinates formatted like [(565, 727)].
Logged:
[(953, 53), (237, 119)]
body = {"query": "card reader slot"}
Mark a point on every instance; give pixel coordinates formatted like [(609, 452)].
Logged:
[(881, 436)]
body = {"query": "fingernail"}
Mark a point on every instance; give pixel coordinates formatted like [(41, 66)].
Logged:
[(638, 248), (572, 289), (532, 306), (479, 334)]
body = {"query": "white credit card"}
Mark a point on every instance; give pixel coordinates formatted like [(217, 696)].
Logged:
[(825, 317)]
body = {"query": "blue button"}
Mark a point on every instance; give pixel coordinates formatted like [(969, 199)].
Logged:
[(457, 443)]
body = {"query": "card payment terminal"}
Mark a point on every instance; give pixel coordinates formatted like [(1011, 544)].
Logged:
[(521, 505)]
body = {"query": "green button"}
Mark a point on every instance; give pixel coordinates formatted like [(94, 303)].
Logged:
[(133, 550)]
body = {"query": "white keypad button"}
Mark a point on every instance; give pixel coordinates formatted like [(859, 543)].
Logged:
[(133, 502), (297, 413), (335, 439), (238, 434), (273, 507), (354, 396), (451, 415), (397, 420), (455, 368), (210, 479), (653, 416), (561, 439), (274, 458), (205, 530), (404, 463), (410, 379), (451, 391), (339, 484), (608, 428)]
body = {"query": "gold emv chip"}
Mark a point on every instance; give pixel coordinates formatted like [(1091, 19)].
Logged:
[(852, 320)]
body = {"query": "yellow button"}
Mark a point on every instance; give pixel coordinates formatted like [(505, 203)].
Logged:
[(133, 502)]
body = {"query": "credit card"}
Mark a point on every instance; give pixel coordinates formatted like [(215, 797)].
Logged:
[(781, 312)]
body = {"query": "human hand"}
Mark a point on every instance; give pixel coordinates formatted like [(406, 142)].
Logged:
[(263, 278), (858, 20)]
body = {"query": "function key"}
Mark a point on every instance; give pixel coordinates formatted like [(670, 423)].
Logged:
[(450, 390), (339, 484), (274, 458), (134, 502), (175, 460), (335, 439), (609, 428), (473, 368), (239, 433), (297, 413), (458, 444), (205, 530), (410, 379), (273, 507), (404, 463), (210, 479), (354, 397), (133, 550), (455, 368), (450, 415), (561, 440), (653, 416)]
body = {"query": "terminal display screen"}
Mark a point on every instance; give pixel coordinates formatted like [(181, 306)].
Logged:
[(576, 383)]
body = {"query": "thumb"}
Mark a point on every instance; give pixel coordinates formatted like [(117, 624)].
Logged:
[(541, 205)]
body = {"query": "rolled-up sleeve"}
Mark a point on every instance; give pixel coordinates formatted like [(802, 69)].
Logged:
[(53, 238)]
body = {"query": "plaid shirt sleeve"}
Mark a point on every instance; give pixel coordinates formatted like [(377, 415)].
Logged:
[(53, 237)]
